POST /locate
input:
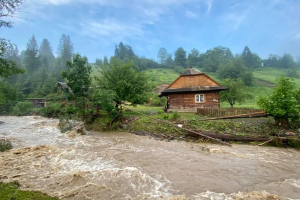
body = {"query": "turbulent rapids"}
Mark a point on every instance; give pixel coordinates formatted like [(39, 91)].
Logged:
[(126, 166)]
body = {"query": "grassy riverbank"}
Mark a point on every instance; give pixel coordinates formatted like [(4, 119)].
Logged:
[(231, 128), (11, 191)]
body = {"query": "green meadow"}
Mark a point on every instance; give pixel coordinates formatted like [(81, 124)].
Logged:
[(264, 81)]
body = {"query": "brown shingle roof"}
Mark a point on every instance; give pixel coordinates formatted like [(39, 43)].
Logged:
[(192, 89)]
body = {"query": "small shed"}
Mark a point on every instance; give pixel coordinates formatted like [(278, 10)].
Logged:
[(64, 86), (191, 90), (38, 102)]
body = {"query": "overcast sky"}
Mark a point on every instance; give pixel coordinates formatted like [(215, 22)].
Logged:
[(95, 26)]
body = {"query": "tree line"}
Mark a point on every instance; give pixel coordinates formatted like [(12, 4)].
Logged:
[(35, 71), (219, 60), (40, 69)]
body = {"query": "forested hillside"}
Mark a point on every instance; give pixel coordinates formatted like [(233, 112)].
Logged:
[(43, 69)]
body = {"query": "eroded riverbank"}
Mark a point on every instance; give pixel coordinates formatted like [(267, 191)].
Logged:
[(126, 166)]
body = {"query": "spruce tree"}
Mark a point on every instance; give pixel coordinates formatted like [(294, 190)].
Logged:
[(32, 61)]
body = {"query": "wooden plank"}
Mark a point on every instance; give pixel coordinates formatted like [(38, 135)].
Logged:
[(218, 112), (188, 130), (250, 115)]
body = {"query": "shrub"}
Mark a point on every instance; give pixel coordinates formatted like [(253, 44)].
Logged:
[(5, 145), (22, 108), (158, 101), (101, 124), (165, 116), (52, 110), (64, 124), (283, 103), (160, 112), (9, 95), (106, 99), (174, 115), (70, 109)]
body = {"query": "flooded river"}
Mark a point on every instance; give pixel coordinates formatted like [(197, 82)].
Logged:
[(126, 166)]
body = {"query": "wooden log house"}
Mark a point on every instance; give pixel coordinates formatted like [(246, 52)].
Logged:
[(191, 90)]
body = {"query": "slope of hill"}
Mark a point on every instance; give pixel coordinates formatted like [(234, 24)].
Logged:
[(264, 79), (268, 74)]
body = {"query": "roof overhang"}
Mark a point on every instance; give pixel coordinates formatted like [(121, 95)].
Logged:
[(192, 90)]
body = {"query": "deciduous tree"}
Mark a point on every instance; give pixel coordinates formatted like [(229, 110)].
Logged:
[(250, 59), (169, 61), (7, 67), (126, 80), (235, 69), (237, 91), (77, 75), (162, 55), (216, 57), (193, 58), (8, 8), (283, 103), (180, 58)]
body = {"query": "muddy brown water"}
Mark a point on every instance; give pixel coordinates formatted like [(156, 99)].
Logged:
[(126, 166)]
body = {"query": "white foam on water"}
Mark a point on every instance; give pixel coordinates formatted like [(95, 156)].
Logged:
[(98, 162), (139, 182), (212, 196), (293, 182), (254, 195)]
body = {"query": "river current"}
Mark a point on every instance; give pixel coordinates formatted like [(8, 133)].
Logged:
[(126, 166)]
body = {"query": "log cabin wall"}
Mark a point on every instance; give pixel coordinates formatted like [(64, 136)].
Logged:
[(193, 81), (188, 101)]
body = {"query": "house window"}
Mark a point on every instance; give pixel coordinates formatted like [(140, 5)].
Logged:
[(199, 98)]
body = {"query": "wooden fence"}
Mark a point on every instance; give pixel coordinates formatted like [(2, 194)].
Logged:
[(224, 112)]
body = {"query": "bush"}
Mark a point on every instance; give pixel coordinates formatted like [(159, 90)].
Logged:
[(158, 101), (283, 103), (5, 145), (165, 116), (9, 95), (64, 124), (174, 115), (106, 99), (234, 70), (160, 112), (101, 124), (70, 109), (22, 108), (52, 110)]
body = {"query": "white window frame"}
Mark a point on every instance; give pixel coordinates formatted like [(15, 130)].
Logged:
[(199, 99)]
